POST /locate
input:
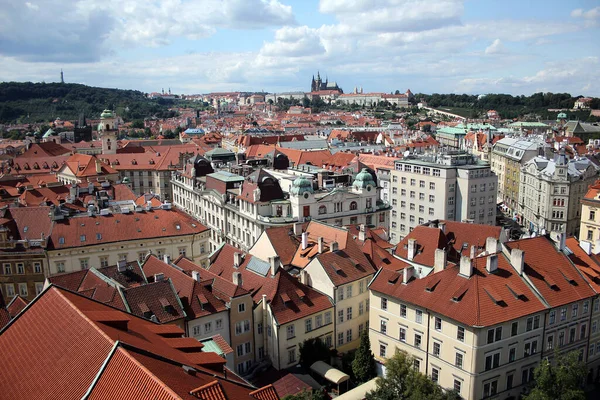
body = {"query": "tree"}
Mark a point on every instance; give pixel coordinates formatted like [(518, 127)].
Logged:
[(363, 365), (560, 380), (306, 395), (313, 350), (403, 382)]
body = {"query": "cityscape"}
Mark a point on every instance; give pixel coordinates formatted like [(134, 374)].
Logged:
[(327, 237)]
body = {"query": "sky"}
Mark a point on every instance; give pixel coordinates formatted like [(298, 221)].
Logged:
[(201, 46)]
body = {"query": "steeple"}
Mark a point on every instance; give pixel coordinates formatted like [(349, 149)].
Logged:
[(62, 76)]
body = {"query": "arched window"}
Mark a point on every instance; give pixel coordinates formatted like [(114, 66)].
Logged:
[(322, 210), (107, 127), (353, 206)]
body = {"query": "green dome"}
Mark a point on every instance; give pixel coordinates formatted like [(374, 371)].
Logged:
[(363, 179), (107, 114), (301, 185)]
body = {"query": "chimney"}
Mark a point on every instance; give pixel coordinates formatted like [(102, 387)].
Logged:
[(586, 246), (196, 275), (297, 229), (473, 251), (304, 240), (237, 278), (517, 260), (333, 246), (90, 188), (167, 259), (407, 273), (439, 261), (98, 167), (412, 248), (491, 263), (274, 262), (304, 277), (320, 242), (466, 268), (561, 241), (491, 245), (442, 226), (237, 259), (362, 233)]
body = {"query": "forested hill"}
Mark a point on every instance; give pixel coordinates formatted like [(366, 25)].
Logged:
[(27, 102), (508, 106)]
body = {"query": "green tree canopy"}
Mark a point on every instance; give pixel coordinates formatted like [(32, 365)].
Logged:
[(363, 365), (313, 350), (403, 381), (561, 380)]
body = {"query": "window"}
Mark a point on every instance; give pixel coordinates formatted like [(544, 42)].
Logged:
[(361, 287), (417, 340), (592, 215), (512, 354), (208, 327), (413, 182), (60, 266), (181, 251), (460, 334), (361, 328), (450, 201), (259, 328), (7, 269), (432, 185), (319, 321), (340, 338), (292, 356), (563, 313), (290, 331), (327, 317), (561, 338), (419, 316), (586, 306), (349, 313), (39, 286), (438, 324), (431, 198), (492, 361), (552, 317), (514, 329), (458, 360), (575, 310), (82, 238), (549, 342), (308, 324), (219, 325), (20, 268), (594, 326), (348, 335), (261, 353), (382, 349), (436, 349), (23, 289), (248, 347), (490, 388), (84, 263), (383, 327), (340, 316), (403, 310), (402, 336), (240, 369), (361, 308), (417, 364), (572, 333), (435, 374), (10, 290), (457, 383), (530, 348), (340, 294), (494, 335), (582, 331), (421, 196), (383, 303)]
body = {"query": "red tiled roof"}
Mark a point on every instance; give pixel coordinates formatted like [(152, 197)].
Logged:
[(16, 305), (587, 265), (223, 345), (265, 393), (158, 297), (545, 266), (290, 385), (438, 292), (285, 245)]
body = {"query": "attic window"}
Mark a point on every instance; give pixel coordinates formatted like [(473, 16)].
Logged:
[(496, 298), (300, 293), (336, 267), (432, 285), (285, 298), (460, 293), (82, 238), (165, 304), (551, 284), (61, 240), (569, 278), (144, 308), (515, 292), (394, 277), (202, 299), (98, 236), (25, 229)]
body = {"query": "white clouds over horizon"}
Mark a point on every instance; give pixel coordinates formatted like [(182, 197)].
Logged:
[(427, 45)]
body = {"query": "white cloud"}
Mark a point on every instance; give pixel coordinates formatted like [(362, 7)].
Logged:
[(495, 48), (86, 30), (593, 13), (294, 42)]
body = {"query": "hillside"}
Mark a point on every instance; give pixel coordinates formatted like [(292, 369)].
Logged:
[(26, 102)]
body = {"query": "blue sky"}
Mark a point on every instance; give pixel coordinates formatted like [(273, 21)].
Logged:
[(443, 46)]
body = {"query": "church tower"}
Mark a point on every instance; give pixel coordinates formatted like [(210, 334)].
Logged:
[(108, 130)]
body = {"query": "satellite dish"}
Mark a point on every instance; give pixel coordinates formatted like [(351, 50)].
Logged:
[(406, 153)]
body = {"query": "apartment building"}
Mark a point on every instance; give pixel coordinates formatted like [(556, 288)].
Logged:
[(508, 156), (448, 186), (104, 239), (23, 239), (482, 324), (286, 310), (551, 191), (589, 230), (238, 209)]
